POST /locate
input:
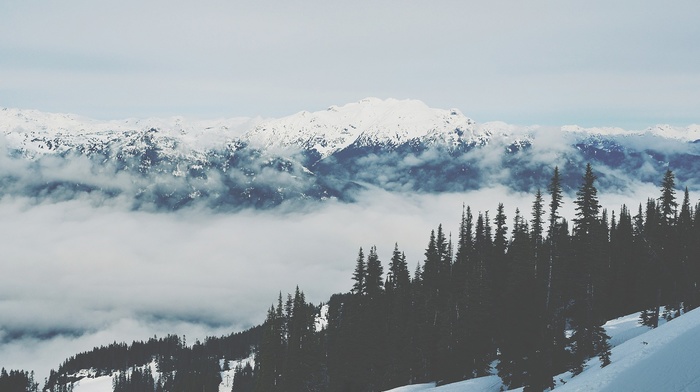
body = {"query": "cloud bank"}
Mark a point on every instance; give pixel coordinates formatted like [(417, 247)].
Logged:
[(77, 275)]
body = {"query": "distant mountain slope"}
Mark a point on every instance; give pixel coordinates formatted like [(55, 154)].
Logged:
[(397, 145)]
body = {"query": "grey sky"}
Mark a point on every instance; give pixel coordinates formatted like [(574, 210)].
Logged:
[(621, 63)]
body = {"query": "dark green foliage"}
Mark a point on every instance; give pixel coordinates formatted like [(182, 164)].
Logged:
[(519, 324), (243, 378), (374, 281), (138, 380), (17, 381), (512, 296), (170, 354), (588, 274), (360, 275), (290, 354)]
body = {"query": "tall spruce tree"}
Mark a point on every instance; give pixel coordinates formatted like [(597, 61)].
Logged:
[(374, 274), (684, 228), (537, 232), (400, 325), (462, 275), (521, 311), (669, 248), (588, 338), (650, 282), (547, 362), (360, 275), (399, 276)]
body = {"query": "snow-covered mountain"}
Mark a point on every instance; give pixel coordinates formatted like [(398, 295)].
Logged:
[(369, 122), (398, 145)]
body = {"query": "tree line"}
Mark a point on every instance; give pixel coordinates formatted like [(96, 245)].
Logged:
[(179, 366), (530, 299)]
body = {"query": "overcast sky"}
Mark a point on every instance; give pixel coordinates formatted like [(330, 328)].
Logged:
[(619, 63)]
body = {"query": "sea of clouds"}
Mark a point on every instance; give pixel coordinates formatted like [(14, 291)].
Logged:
[(77, 275)]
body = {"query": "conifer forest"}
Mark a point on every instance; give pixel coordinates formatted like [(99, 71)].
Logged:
[(527, 295)]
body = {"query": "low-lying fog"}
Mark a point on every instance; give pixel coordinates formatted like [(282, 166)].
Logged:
[(75, 275)]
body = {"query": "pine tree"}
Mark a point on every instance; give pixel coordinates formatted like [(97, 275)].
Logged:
[(552, 323), (373, 274), (537, 232), (243, 378), (588, 338), (399, 322), (688, 262), (648, 232), (520, 341), (399, 277), (481, 331), (669, 248), (462, 271), (623, 286), (271, 352), (500, 246), (667, 200), (360, 275)]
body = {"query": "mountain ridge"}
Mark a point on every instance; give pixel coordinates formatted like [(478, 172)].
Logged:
[(396, 145)]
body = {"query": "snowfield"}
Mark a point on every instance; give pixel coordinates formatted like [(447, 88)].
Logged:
[(662, 359)]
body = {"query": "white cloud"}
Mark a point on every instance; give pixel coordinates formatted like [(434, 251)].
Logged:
[(76, 275)]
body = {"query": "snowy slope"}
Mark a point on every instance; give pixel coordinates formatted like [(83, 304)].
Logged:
[(662, 359)]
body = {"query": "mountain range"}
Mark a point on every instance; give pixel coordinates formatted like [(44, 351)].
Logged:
[(396, 145)]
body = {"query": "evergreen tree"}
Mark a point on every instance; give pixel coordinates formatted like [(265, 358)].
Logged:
[(243, 378), (684, 229), (537, 233), (500, 246), (547, 361), (520, 341), (623, 286), (360, 275), (18, 381), (588, 338), (480, 325), (270, 357), (400, 351), (373, 275), (669, 248), (461, 362), (399, 277), (667, 200), (651, 288)]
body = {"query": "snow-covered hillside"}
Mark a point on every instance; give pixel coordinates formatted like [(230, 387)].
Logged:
[(38, 132), (643, 360)]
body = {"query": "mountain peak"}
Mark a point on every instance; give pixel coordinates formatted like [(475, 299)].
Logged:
[(370, 120)]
